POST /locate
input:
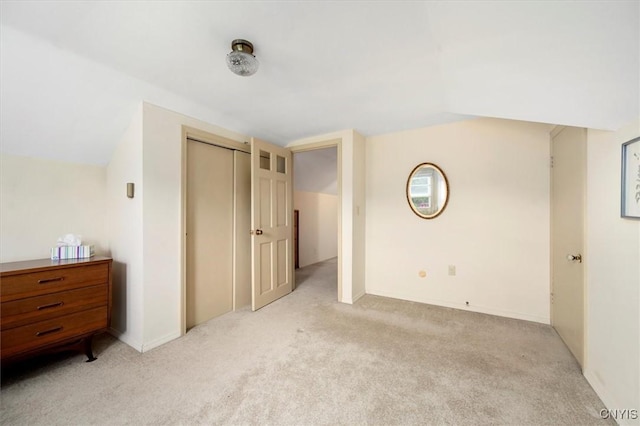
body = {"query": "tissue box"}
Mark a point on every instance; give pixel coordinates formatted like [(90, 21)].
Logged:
[(71, 252)]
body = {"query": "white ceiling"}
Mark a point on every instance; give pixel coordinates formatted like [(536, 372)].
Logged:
[(72, 72)]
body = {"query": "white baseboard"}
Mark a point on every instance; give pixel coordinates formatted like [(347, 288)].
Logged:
[(606, 398), (472, 308), (161, 341), (358, 296), (598, 388), (125, 338)]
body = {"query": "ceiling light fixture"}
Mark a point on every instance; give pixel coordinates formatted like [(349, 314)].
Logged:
[(241, 60)]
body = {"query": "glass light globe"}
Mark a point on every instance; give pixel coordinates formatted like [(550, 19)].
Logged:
[(242, 63)]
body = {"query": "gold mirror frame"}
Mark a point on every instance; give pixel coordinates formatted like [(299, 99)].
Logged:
[(414, 208)]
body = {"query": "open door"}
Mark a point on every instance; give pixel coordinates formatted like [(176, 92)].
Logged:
[(271, 223), (568, 149)]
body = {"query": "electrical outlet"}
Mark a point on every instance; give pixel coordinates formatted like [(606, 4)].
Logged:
[(452, 270)]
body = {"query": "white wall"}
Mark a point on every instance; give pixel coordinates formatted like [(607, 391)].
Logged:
[(41, 200), (495, 229), (163, 219), (125, 234), (317, 227), (613, 277)]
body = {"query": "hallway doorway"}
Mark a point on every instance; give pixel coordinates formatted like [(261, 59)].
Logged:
[(317, 206)]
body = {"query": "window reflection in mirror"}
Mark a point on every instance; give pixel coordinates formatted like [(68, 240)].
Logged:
[(427, 190)]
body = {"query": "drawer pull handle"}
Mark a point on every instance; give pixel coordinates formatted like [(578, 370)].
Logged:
[(50, 305), (50, 280), (53, 330)]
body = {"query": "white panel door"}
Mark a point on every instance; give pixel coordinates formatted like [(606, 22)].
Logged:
[(568, 150), (271, 222)]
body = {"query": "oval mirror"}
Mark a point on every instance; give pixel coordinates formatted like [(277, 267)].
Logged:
[(427, 190)]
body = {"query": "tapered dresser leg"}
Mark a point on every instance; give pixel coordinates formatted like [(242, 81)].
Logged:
[(88, 351)]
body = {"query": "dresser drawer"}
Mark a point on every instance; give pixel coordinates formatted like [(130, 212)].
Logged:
[(40, 308), (14, 287), (32, 336)]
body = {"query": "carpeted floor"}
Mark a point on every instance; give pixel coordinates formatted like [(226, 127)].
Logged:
[(306, 360)]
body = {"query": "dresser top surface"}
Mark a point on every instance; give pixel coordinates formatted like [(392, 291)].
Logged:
[(39, 264)]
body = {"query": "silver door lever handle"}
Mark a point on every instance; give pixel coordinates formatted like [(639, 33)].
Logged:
[(574, 258)]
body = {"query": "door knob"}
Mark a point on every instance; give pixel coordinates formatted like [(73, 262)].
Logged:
[(574, 258), (257, 232)]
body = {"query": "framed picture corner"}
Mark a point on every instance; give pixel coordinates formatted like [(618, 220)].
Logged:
[(630, 185)]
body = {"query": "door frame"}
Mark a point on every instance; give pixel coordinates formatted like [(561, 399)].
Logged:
[(211, 139), (313, 146)]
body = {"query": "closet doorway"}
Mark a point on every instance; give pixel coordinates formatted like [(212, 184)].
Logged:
[(217, 242)]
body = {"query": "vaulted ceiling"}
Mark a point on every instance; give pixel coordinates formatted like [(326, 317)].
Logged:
[(72, 72)]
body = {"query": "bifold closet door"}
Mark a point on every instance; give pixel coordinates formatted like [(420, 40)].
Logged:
[(242, 263), (209, 256)]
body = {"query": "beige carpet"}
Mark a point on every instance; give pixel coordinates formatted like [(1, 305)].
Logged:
[(307, 359)]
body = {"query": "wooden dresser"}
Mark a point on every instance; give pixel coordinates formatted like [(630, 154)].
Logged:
[(53, 304)]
